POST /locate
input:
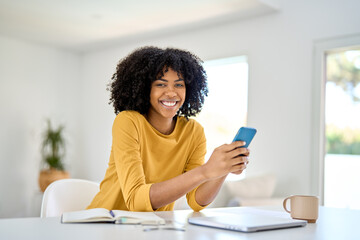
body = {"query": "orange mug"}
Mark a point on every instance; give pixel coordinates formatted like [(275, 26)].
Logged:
[(303, 207)]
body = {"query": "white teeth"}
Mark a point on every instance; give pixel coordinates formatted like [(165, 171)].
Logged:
[(168, 103)]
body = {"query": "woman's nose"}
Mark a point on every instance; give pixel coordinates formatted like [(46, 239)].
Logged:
[(170, 92)]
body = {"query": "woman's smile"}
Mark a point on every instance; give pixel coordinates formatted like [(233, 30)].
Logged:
[(168, 103)]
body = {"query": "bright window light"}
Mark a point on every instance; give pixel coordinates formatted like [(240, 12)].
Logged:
[(225, 109)]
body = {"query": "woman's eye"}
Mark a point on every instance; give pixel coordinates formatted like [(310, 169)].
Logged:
[(160, 85), (179, 85)]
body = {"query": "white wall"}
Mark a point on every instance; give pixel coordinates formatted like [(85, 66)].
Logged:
[(36, 82), (280, 51)]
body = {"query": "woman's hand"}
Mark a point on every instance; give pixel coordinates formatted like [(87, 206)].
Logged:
[(228, 158), (243, 165)]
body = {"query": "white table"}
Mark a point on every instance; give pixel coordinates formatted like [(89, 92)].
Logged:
[(337, 224)]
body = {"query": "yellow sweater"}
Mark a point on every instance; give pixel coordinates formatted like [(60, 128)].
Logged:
[(141, 155)]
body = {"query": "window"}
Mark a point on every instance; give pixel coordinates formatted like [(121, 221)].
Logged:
[(320, 175), (225, 109), (342, 129)]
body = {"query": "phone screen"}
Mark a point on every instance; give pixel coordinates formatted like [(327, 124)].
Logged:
[(245, 134)]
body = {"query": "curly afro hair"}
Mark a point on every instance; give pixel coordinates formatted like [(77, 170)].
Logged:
[(131, 83)]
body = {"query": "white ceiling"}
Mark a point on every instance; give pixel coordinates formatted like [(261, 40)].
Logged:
[(83, 25)]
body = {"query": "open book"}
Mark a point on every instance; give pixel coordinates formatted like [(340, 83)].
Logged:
[(113, 216)]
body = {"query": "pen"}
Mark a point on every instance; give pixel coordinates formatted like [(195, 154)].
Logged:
[(112, 214)]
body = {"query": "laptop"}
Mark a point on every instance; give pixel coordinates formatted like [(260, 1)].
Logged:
[(246, 222)]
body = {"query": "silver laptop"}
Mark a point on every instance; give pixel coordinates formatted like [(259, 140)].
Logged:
[(246, 222)]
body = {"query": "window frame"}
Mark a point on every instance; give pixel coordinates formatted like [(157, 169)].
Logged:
[(318, 139)]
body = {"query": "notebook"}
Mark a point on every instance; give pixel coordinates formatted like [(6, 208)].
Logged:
[(247, 221), (113, 216)]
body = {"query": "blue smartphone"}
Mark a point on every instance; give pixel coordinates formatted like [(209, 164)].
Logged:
[(245, 134)]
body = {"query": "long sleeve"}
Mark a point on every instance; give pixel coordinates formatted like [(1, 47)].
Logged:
[(129, 166), (196, 160)]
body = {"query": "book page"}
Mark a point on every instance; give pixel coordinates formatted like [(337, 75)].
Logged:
[(96, 214), (146, 218)]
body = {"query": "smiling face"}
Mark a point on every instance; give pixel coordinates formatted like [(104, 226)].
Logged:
[(167, 95)]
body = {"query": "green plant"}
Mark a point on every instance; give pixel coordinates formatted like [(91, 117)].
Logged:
[(53, 147)]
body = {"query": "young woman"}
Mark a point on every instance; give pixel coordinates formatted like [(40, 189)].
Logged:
[(157, 153)]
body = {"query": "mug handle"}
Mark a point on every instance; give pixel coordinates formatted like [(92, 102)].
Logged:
[(284, 204)]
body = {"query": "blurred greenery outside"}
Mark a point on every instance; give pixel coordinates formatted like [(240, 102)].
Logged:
[(343, 69), (342, 141)]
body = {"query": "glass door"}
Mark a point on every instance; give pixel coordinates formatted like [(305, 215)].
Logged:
[(342, 129)]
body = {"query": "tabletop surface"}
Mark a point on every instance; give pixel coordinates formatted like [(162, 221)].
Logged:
[(332, 224)]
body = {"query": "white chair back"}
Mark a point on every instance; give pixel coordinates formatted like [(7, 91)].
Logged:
[(67, 195)]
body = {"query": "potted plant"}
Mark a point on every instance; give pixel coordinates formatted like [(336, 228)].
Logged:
[(53, 152)]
